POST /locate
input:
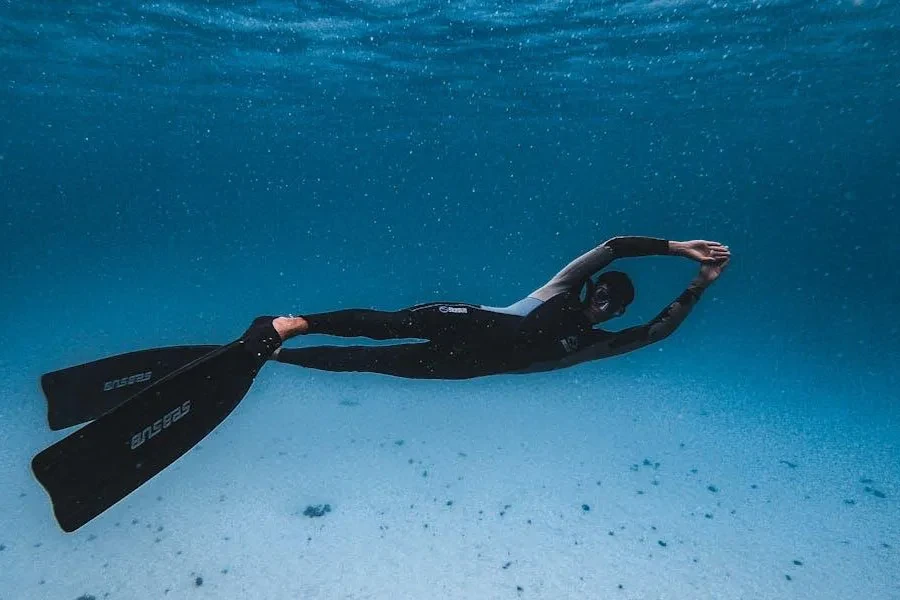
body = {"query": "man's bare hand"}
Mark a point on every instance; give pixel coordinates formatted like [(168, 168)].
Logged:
[(710, 271), (702, 251)]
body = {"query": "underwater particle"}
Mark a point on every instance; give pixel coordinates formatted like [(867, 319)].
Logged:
[(506, 565), (86, 597), (520, 589), (878, 494), (224, 571), (585, 508), (788, 577), (425, 473), (319, 510), (865, 480), (708, 515), (621, 587), (2, 547), (449, 502), (712, 488), (753, 486), (849, 501), (662, 543), (399, 442), (647, 462), (198, 581), (798, 563), (788, 463)]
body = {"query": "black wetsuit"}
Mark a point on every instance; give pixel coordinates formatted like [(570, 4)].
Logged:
[(546, 330)]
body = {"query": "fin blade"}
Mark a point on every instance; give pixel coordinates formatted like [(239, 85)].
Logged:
[(85, 392), (100, 464)]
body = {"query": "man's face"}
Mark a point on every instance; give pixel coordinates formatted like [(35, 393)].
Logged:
[(604, 306)]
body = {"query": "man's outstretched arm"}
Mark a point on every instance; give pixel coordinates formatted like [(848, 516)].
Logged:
[(574, 274), (667, 321), (660, 327)]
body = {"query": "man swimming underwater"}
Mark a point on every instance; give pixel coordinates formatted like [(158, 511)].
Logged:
[(551, 328), (149, 407)]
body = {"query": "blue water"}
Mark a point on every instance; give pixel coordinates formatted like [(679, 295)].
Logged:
[(169, 170)]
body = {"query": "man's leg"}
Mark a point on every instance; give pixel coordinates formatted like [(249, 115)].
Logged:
[(422, 360), (374, 324), (433, 321)]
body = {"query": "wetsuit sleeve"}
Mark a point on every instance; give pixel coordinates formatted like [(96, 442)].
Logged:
[(603, 344), (659, 328), (574, 274)]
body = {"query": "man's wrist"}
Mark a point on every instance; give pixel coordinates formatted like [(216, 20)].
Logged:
[(700, 282), (675, 248)]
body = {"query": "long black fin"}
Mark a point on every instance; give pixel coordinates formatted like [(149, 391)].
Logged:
[(83, 393), (97, 466)]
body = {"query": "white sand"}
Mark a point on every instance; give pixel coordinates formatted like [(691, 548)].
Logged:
[(541, 444)]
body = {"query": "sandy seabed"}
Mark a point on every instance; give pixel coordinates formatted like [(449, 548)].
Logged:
[(559, 485)]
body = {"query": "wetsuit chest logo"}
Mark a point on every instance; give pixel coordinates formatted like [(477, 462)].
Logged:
[(453, 309), (570, 343)]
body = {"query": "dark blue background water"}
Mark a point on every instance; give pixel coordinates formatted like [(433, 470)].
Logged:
[(169, 170)]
